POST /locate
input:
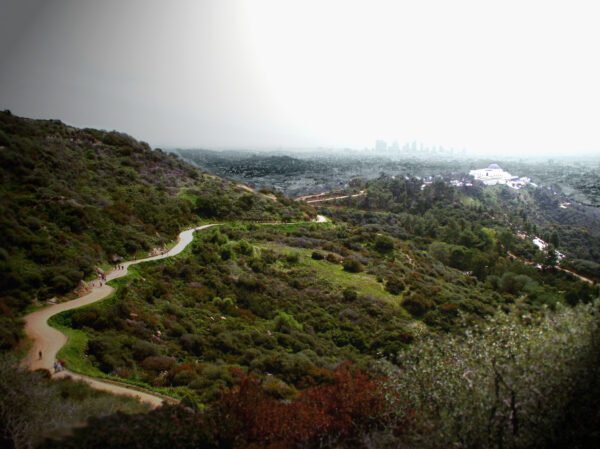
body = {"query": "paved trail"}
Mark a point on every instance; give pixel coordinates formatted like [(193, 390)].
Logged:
[(49, 340)]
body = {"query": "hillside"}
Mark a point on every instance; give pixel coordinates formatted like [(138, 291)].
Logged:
[(406, 321), (416, 317), (288, 303), (75, 199)]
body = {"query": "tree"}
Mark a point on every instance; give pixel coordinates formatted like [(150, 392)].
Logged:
[(550, 257), (554, 240)]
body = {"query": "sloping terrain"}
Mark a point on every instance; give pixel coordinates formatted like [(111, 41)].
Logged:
[(72, 200)]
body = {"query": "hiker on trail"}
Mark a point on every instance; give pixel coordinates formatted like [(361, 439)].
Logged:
[(40, 354), (62, 365)]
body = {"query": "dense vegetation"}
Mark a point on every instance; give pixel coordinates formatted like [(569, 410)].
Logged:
[(421, 316), (292, 300), (476, 218), (527, 381), (73, 200)]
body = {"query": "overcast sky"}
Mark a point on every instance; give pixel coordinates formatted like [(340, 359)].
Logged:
[(519, 77)]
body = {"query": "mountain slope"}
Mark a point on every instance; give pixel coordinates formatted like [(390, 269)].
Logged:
[(72, 200)]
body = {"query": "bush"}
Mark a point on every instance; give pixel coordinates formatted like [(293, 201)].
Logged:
[(384, 243), (316, 255), (158, 363), (225, 305), (292, 257), (352, 265), (244, 248), (184, 378), (61, 284), (333, 258), (417, 304), (394, 285), (143, 349), (350, 295)]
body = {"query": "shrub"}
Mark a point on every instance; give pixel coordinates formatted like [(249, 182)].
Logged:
[(417, 304), (316, 255), (143, 349), (333, 258), (61, 283), (350, 294), (244, 248), (184, 378), (394, 285), (226, 252), (384, 243), (334, 413), (292, 257), (158, 364), (352, 265), (225, 305), (284, 322)]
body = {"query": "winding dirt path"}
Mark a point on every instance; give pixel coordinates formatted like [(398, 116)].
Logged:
[(49, 340)]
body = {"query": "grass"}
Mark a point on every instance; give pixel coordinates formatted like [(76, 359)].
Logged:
[(363, 283)]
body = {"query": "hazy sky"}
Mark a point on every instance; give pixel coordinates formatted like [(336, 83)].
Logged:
[(503, 76)]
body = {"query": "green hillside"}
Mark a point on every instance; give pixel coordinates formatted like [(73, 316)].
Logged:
[(417, 317), (288, 303), (75, 199)]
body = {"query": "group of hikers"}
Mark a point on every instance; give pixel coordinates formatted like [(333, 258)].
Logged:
[(58, 366), (119, 267)]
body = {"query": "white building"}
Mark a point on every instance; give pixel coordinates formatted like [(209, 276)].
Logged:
[(495, 175), (543, 245)]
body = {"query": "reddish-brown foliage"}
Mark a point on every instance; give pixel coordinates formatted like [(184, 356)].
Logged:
[(337, 411)]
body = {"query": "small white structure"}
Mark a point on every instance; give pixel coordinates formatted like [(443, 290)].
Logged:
[(495, 175), (542, 245)]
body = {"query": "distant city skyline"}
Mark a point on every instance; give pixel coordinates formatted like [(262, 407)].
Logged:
[(511, 78)]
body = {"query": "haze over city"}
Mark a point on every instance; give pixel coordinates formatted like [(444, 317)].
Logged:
[(508, 78)]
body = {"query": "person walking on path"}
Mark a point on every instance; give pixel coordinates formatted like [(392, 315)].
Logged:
[(40, 354)]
